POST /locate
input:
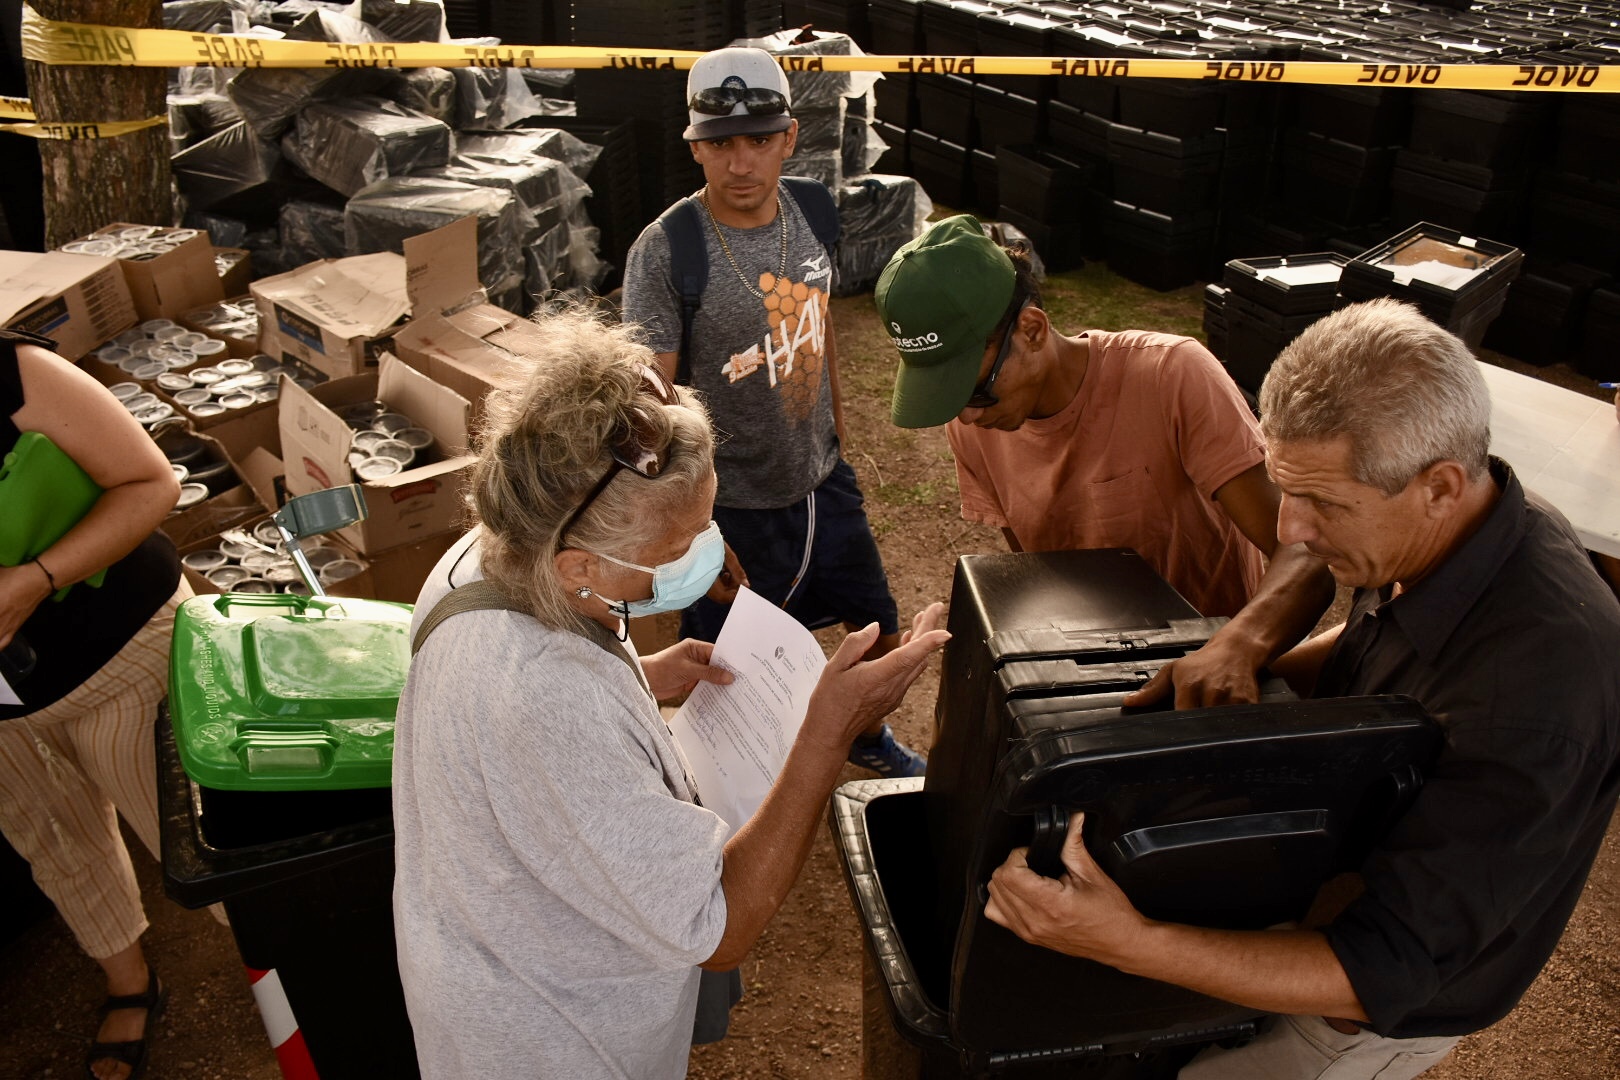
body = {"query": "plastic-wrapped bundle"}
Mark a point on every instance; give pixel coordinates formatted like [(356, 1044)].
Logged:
[(877, 215), (310, 231), (862, 144), (828, 167), (538, 183), (546, 260), (270, 97), (429, 91), (222, 231), (519, 146), (493, 98), (381, 216), (557, 83), (227, 169), (817, 89), (205, 16), (821, 129), (415, 20), (348, 146)]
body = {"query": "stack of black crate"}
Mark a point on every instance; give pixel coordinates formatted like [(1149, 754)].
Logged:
[(1268, 302), (1562, 306), (894, 28), (945, 133), (655, 100)]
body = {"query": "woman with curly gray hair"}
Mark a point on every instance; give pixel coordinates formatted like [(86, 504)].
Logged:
[(558, 883)]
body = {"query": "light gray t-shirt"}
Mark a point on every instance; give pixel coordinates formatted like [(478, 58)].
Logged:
[(759, 363), (555, 883)]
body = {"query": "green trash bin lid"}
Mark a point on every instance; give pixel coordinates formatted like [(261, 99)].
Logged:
[(287, 693)]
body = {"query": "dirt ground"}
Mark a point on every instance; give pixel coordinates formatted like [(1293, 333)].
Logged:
[(802, 1016)]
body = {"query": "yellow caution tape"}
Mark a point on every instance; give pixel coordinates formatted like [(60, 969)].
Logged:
[(16, 108), (106, 129), (81, 43)]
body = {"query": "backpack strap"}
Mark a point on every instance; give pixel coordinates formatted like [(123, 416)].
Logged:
[(689, 264), (485, 595), (819, 207)]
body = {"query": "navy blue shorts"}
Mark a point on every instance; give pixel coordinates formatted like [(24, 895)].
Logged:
[(817, 555)]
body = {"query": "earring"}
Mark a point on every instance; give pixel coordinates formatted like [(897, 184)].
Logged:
[(583, 592)]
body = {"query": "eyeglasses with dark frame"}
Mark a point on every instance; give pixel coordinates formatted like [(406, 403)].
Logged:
[(983, 396), (636, 451), (720, 100)]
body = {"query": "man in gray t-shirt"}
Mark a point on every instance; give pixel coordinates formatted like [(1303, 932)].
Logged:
[(763, 356)]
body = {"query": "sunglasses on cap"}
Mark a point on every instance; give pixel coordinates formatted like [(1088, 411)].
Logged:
[(721, 100), (983, 394), (637, 450)]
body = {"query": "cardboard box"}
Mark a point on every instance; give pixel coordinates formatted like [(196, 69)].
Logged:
[(79, 301), (470, 351), (234, 266), (240, 503), (165, 285), (406, 507), (338, 315)]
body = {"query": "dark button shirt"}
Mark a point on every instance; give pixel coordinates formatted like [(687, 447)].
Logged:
[(1513, 645)]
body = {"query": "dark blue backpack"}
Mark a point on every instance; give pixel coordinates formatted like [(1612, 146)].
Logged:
[(683, 226)]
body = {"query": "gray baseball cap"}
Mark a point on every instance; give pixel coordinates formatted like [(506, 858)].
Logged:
[(736, 92)]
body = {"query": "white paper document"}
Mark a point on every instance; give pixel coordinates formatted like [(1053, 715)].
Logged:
[(8, 696), (737, 737)]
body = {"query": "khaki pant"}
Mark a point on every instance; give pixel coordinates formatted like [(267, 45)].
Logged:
[(1306, 1048), (68, 771)]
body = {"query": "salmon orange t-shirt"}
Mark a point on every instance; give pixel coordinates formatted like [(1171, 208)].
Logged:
[(1133, 461)]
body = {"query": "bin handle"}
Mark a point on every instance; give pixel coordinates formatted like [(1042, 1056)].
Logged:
[(259, 600)]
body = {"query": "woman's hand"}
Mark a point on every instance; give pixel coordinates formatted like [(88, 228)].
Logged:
[(22, 589), (678, 669), (853, 694)]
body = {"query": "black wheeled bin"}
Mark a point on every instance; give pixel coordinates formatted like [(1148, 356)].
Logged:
[(1227, 817), (274, 759)]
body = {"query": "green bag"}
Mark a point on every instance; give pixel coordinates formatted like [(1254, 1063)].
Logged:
[(44, 494)]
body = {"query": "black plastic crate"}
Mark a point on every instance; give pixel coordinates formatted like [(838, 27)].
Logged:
[(1161, 251), (1018, 31), (895, 100), (1255, 335), (1086, 85), (951, 27), (1287, 284), (986, 187), (1040, 184), (895, 27), (1001, 117), (1588, 142), (1339, 182), (896, 158), (1545, 311), (1282, 232), (1363, 115), (1480, 127), (945, 107), (1069, 128), (1165, 173), (1469, 198), (1574, 218), (941, 167), (1458, 281), (1595, 355), (1060, 245), (837, 16)]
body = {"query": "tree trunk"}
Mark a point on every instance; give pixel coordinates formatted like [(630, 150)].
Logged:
[(92, 182)]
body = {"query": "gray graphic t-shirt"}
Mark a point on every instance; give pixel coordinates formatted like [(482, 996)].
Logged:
[(760, 364)]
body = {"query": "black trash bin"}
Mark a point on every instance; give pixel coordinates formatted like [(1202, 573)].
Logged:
[(1225, 817), (274, 755)]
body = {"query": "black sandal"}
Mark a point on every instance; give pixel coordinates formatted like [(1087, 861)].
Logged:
[(133, 1051)]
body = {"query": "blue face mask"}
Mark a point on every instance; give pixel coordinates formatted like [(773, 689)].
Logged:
[(675, 584)]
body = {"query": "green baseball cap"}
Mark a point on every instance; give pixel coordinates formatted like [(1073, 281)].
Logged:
[(939, 298)]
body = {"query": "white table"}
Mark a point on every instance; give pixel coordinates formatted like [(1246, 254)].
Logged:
[(1564, 446)]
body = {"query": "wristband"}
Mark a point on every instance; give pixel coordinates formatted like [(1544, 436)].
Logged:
[(48, 575)]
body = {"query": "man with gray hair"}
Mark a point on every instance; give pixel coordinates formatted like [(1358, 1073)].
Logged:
[(1473, 597)]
